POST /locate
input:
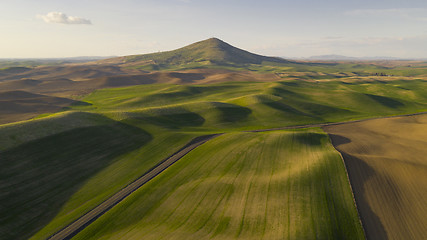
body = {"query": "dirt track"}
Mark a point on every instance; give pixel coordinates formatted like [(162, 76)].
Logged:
[(71, 230)]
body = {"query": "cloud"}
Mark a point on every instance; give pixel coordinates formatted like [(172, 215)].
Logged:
[(59, 17)]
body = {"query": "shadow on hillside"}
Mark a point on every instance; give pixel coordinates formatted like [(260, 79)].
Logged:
[(359, 173), (385, 101), (338, 140), (288, 109), (187, 77), (312, 139), (182, 118), (281, 92), (231, 112), (22, 105), (39, 177)]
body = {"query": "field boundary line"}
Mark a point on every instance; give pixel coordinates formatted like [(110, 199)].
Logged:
[(349, 183), (333, 123)]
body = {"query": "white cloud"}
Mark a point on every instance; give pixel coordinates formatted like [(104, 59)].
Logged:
[(59, 17)]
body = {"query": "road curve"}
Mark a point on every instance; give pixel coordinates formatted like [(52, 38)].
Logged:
[(78, 225)]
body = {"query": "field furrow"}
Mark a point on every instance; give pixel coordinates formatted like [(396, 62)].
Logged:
[(275, 185), (387, 164)]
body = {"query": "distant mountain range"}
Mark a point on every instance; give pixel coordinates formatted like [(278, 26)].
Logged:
[(78, 59), (34, 62), (334, 57)]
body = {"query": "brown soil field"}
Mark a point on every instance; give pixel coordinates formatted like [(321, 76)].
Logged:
[(48, 89), (21, 105), (67, 80), (386, 160)]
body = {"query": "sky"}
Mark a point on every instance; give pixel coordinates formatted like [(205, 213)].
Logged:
[(303, 28)]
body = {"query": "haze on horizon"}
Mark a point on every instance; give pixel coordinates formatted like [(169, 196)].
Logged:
[(47, 28)]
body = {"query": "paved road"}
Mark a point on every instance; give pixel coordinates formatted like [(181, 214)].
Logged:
[(75, 227)]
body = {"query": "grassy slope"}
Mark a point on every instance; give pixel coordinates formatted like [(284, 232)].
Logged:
[(113, 177), (214, 53), (40, 176), (63, 165), (218, 107), (208, 52), (173, 114), (276, 185)]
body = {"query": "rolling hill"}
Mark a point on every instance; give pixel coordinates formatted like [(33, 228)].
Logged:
[(276, 185), (16, 105), (59, 166), (212, 51)]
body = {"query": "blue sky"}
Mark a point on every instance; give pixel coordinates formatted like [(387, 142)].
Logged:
[(47, 28)]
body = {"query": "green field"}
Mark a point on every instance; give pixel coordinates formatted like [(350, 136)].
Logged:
[(255, 105), (276, 185), (92, 150), (71, 163)]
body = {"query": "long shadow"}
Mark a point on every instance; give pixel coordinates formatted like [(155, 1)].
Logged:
[(231, 112), (288, 109), (188, 77), (338, 140), (385, 101), (311, 139), (322, 111), (37, 178), (172, 119), (359, 173)]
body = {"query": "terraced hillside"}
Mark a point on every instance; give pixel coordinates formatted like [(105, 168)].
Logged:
[(276, 185), (387, 163)]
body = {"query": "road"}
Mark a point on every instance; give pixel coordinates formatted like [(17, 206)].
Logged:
[(75, 227)]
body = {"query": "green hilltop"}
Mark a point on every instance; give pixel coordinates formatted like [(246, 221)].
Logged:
[(212, 51)]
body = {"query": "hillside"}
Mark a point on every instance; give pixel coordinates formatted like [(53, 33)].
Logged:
[(138, 126), (212, 51), (20, 105), (119, 119), (276, 185), (387, 164)]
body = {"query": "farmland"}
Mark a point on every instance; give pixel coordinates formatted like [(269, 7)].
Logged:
[(74, 135), (276, 185), (167, 116), (387, 164)]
